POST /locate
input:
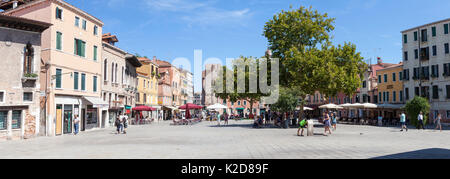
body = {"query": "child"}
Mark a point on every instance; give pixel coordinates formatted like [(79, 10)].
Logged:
[(303, 125)]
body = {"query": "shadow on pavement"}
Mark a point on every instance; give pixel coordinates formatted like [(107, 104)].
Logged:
[(432, 153)]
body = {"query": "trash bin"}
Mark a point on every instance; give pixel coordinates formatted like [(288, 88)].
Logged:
[(310, 128), (286, 124)]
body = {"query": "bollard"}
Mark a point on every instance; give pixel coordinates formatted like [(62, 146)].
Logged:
[(310, 128)]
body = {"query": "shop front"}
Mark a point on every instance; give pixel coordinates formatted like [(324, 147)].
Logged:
[(94, 108), (66, 109)]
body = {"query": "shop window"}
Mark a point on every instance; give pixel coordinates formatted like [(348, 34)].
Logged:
[(16, 119)]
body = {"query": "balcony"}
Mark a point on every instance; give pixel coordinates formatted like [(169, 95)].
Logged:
[(29, 80)]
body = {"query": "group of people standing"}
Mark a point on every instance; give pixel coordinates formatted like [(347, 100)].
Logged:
[(330, 122), (121, 124)]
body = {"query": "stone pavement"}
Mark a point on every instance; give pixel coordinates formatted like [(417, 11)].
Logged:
[(236, 141)]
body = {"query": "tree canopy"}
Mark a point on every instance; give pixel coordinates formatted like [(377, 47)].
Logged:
[(413, 108)]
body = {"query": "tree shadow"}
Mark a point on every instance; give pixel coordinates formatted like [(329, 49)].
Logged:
[(432, 153)]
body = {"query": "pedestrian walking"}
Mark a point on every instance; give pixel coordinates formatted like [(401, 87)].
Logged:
[(403, 121), (225, 118), (76, 124), (437, 121), (125, 124), (218, 119), (118, 125), (420, 121), (333, 121), (380, 120), (326, 121)]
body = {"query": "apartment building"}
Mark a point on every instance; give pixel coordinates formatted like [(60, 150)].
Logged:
[(390, 90), (187, 87), (119, 86), (148, 85), (20, 49), (426, 57), (70, 54), (208, 76)]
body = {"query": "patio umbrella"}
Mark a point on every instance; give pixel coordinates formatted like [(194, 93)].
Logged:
[(305, 108), (217, 106), (143, 108), (369, 106), (189, 106), (330, 106)]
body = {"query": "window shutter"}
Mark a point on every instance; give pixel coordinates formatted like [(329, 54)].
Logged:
[(58, 78), (58, 40), (75, 49)]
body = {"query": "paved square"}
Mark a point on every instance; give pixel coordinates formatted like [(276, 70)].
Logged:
[(238, 140)]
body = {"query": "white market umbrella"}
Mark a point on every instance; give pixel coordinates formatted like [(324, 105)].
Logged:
[(330, 106), (369, 106), (305, 108), (217, 106)]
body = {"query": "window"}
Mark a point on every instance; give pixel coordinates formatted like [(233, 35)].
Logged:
[(83, 81), (95, 83), (245, 103), (28, 59), (364, 84), (425, 53), (445, 28), (448, 91), (105, 70), (75, 80), (84, 24), (80, 48), (385, 78), (446, 69), (58, 78), (394, 77), (416, 54), (446, 48), (394, 96), (435, 92), (434, 50), (95, 53), (415, 36), (433, 31), (77, 21), (401, 96), (2, 96), (95, 30), (424, 34), (448, 114), (58, 40), (28, 97), (387, 96), (405, 38), (435, 71), (405, 56), (384, 96), (407, 93), (59, 13), (112, 74), (417, 91), (3, 120), (16, 119), (379, 78), (400, 76)]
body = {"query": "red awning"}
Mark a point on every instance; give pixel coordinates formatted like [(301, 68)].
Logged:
[(144, 108), (190, 106)]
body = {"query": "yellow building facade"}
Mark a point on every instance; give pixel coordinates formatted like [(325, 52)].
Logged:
[(148, 83), (390, 85)]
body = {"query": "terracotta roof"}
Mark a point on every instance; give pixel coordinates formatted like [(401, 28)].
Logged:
[(23, 23)]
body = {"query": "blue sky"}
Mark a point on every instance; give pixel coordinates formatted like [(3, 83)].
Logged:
[(229, 28)]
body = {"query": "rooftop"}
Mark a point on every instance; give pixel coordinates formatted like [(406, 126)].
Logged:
[(23, 23)]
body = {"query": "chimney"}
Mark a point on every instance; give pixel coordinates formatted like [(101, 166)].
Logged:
[(379, 61), (15, 4)]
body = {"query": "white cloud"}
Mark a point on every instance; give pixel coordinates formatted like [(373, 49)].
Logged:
[(200, 13)]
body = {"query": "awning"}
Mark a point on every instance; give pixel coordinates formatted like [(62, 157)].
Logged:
[(96, 102), (170, 107), (240, 108)]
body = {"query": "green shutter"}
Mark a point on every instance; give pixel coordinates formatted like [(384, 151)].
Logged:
[(95, 53), (405, 38), (433, 31), (83, 48), (445, 28), (75, 80), (75, 49), (83, 82), (58, 40), (95, 83), (415, 36), (58, 78)]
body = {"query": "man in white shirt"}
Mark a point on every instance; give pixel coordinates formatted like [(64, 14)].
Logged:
[(420, 121)]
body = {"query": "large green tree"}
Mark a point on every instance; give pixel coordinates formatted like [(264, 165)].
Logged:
[(300, 39), (243, 81), (413, 108)]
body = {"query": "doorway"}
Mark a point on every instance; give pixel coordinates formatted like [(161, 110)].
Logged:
[(67, 126), (83, 119)]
